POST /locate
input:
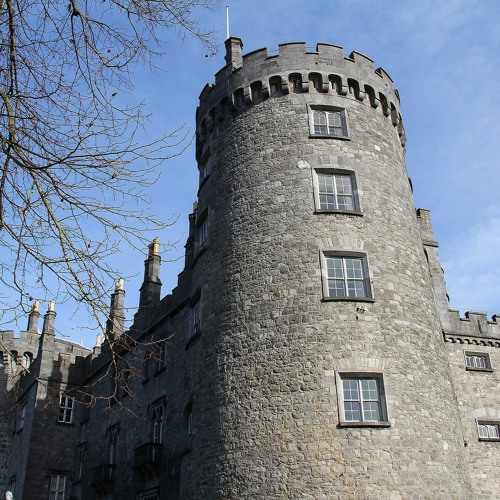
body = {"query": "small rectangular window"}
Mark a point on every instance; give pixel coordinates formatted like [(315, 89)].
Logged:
[(362, 399), (57, 487), (347, 277), (335, 191), (156, 419), (111, 440), (82, 454), (488, 431), (328, 122), (203, 235), (197, 317), (22, 416), (476, 361), (66, 406)]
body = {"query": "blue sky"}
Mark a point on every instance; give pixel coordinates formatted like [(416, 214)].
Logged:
[(444, 60)]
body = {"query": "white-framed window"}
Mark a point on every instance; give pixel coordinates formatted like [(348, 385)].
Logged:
[(57, 487), (347, 276), (488, 431), (328, 122), (477, 361), (362, 399), (335, 191), (66, 407)]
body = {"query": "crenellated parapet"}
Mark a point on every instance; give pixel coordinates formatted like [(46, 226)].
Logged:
[(260, 75), (473, 329)]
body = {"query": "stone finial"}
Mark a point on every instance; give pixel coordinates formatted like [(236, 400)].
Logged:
[(119, 284)]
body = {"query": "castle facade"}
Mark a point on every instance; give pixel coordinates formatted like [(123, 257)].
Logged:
[(308, 350)]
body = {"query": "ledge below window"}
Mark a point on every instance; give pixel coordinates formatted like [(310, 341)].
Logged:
[(331, 136), (364, 424), (348, 299), (343, 212)]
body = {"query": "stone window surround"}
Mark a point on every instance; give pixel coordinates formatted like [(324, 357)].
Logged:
[(332, 109), (355, 191), (487, 368), (362, 374), (489, 423), (324, 253)]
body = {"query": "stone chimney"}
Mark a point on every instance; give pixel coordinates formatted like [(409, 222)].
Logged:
[(49, 320), (33, 317), (115, 326)]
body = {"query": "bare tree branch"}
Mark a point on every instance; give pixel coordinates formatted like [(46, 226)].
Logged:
[(73, 176)]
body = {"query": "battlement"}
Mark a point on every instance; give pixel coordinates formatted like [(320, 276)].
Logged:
[(474, 329), (252, 78)]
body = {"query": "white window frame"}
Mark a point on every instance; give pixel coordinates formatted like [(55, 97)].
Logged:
[(58, 487), (351, 265), (477, 361), (335, 191), (363, 397), (488, 430), (66, 409), (328, 121)]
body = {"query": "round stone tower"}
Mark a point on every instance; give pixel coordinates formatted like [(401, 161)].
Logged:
[(316, 368)]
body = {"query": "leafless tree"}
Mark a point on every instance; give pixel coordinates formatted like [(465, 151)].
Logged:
[(71, 187)]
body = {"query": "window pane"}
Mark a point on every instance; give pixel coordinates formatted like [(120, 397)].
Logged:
[(326, 184), (482, 430), (369, 389), (343, 184), (327, 201), (493, 431), (352, 411), (371, 410), (335, 268), (353, 268), (345, 203), (350, 388), (336, 288)]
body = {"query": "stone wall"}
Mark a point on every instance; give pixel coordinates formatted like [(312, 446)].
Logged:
[(266, 369)]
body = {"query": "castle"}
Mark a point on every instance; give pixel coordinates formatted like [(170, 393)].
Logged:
[(308, 350)]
